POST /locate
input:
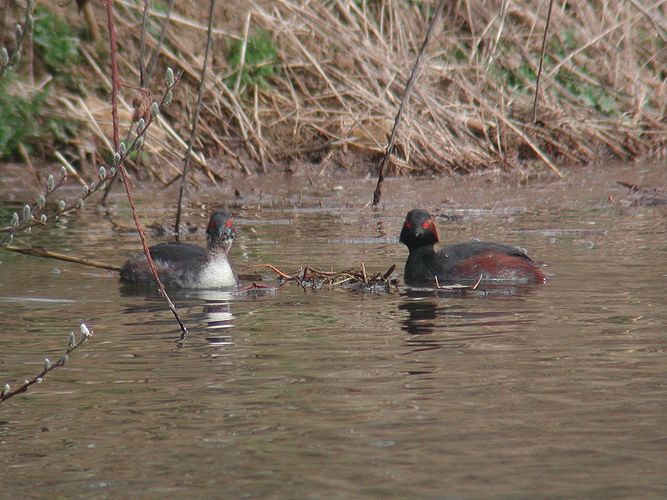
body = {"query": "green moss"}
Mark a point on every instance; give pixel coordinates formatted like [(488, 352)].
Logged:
[(56, 44), (18, 119), (261, 58), (27, 120), (590, 95)]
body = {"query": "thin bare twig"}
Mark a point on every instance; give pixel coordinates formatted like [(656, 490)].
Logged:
[(406, 96), (160, 43), (539, 70), (195, 119), (142, 46)]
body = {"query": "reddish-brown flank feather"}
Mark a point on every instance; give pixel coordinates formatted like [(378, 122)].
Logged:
[(499, 265)]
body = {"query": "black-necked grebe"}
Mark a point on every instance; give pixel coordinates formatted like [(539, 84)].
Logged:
[(185, 265), (462, 262)]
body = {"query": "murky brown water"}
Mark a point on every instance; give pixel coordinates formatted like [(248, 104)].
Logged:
[(556, 390)]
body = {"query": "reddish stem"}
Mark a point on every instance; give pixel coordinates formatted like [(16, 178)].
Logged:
[(115, 84)]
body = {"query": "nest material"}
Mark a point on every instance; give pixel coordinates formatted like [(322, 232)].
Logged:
[(641, 196), (310, 278)]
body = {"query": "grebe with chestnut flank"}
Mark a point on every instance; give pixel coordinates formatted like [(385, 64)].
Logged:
[(461, 262)]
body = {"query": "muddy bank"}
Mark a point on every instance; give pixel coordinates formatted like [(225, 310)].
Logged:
[(302, 182)]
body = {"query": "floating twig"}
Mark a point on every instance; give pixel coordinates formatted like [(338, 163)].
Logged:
[(457, 286), (274, 269)]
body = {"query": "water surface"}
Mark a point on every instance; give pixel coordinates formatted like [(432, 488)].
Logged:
[(555, 390)]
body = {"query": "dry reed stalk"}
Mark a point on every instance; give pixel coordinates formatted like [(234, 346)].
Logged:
[(195, 120), (342, 67), (542, 52)]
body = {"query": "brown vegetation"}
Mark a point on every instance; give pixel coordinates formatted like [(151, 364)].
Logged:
[(316, 79)]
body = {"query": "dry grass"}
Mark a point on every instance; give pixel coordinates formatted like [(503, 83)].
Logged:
[(341, 68)]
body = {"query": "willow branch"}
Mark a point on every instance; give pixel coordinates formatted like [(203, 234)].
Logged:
[(115, 84), (72, 345)]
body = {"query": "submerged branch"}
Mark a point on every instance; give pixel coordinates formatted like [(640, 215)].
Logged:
[(43, 252)]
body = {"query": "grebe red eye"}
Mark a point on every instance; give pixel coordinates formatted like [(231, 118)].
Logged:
[(427, 225), (228, 223)]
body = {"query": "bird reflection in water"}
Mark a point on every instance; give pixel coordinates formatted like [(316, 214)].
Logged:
[(217, 311), (217, 316), (210, 309), (439, 318), (420, 322)]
